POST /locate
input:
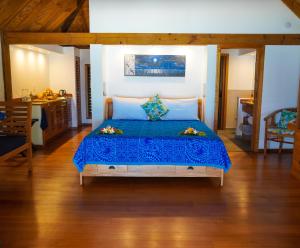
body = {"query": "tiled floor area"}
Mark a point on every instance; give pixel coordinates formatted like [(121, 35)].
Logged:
[(232, 143)]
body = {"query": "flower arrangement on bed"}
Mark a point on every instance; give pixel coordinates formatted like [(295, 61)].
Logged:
[(152, 137)]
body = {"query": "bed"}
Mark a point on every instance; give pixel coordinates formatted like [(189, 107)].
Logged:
[(152, 149)]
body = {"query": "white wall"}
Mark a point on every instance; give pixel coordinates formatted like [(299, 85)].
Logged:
[(96, 52), (241, 72), (50, 48), (62, 75), (2, 95), (29, 70), (189, 86), (192, 16), (84, 59), (281, 81), (210, 87), (108, 70)]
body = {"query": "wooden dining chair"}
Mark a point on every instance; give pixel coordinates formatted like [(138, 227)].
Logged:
[(15, 130), (277, 133)]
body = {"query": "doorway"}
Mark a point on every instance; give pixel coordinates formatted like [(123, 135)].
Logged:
[(223, 84), (236, 123)]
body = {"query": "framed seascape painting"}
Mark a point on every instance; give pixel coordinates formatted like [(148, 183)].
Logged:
[(154, 65)]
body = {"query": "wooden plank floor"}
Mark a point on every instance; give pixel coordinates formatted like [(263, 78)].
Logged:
[(259, 205)]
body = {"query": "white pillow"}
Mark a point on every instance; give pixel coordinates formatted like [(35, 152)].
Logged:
[(129, 108), (181, 109)]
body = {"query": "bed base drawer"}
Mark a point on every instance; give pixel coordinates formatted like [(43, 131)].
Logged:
[(190, 170), (93, 169), (112, 169), (211, 171), (198, 171), (151, 169)]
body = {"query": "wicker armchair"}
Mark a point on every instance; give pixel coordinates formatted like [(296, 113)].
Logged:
[(276, 134), (15, 130)]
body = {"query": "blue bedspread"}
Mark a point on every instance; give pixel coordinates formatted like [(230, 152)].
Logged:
[(152, 142)]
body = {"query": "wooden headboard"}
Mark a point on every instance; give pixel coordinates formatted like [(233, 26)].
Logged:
[(109, 108)]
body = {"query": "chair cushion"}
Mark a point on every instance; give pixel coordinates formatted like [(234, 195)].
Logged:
[(281, 131), (285, 118), (10, 143)]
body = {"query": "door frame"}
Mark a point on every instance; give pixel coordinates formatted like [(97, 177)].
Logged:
[(224, 89), (258, 87)]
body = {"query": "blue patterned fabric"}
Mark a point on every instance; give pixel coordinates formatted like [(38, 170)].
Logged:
[(147, 143), (285, 118), (155, 109), (2, 116)]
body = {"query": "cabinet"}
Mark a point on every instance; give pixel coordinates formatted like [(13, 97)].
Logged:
[(58, 118)]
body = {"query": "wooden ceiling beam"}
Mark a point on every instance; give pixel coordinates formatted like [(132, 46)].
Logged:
[(70, 19), (6, 67), (151, 39), (81, 22), (85, 15), (293, 5), (59, 14)]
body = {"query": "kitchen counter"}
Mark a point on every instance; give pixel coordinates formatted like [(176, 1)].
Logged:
[(247, 101), (42, 101), (247, 106), (54, 118)]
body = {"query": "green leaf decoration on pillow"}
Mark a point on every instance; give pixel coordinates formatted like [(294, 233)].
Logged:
[(155, 108)]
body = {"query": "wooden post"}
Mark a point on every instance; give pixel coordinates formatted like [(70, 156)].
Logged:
[(258, 88), (6, 67), (218, 65), (81, 179), (222, 178)]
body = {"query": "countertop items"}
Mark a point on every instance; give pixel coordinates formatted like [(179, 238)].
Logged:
[(45, 101)]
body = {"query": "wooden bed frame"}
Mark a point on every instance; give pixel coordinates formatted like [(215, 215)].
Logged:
[(92, 170)]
